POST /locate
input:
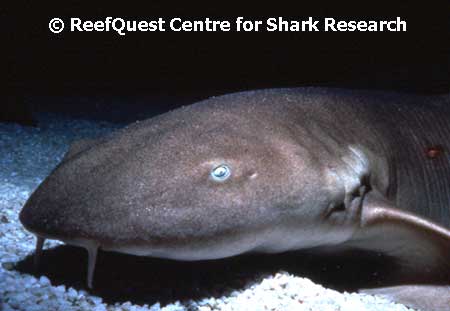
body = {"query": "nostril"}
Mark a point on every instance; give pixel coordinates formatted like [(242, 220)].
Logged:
[(35, 218)]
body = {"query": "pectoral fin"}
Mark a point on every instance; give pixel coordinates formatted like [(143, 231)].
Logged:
[(420, 247), (422, 297)]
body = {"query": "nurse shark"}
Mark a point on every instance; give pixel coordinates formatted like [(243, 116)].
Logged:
[(266, 171)]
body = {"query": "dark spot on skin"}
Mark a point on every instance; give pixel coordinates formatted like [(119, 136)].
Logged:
[(434, 152), (339, 207)]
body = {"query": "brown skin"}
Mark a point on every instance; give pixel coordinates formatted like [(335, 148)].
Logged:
[(303, 162)]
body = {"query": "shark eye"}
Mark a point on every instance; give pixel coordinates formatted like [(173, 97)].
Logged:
[(221, 172)]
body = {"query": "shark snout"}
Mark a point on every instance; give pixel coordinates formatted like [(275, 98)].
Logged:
[(32, 218)]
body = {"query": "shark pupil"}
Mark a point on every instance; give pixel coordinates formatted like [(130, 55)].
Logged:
[(220, 172)]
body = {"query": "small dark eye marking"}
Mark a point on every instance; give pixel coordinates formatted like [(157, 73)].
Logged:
[(221, 172), (434, 152)]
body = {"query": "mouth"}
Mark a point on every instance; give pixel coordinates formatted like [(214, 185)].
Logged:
[(214, 247)]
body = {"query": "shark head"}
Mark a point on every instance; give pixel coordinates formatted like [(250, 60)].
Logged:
[(215, 179), (268, 171)]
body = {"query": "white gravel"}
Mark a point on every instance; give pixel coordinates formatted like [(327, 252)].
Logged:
[(27, 155)]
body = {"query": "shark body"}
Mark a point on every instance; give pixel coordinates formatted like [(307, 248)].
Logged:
[(265, 171)]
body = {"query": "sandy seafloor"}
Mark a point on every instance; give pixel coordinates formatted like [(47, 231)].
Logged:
[(27, 156)]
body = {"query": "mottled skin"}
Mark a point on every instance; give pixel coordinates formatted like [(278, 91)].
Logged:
[(310, 167)]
